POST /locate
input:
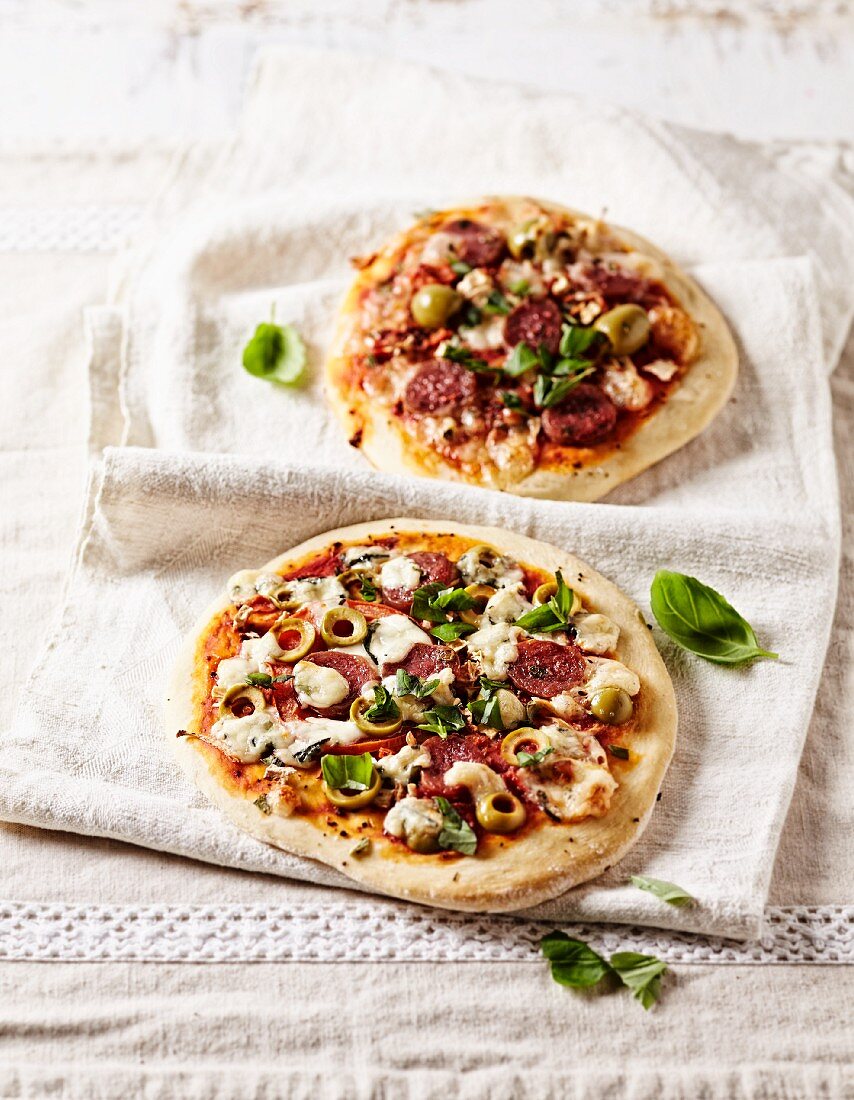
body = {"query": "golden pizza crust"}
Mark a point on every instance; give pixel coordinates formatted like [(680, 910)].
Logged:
[(699, 396), (507, 873)]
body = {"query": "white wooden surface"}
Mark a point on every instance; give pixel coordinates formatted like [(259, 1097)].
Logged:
[(120, 71)]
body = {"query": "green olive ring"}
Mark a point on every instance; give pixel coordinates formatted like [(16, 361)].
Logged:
[(357, 714), (340, 615), (354, 800), (433, 304), (626, 327), (612, 705), (305, 632), (545, 592), (500, 812), (480, 593), (527, 735), (522, 239), (240, 701)]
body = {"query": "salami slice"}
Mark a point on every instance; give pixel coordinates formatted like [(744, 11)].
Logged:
[(438, 387), (355, 670), (545, 669), (425, 661), (587, 415), (285, 699), (445, 753), (611, 283), (435, 569), (475, 244), (534, 322)]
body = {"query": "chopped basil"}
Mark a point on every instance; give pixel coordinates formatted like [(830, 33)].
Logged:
[(449, 632), (259, 680), (310, 752), (549, 392), (283, 678), (262, 804), (667, 891), (520, 287), (485, 710), (511, 400), (575, 340), (443, 720), (275, 353), (407, 684), (460, 267), (496, 303), (573, 963), (641, 974), (433, 602), (464, 356), (345, 772), (470, 315), (531, 759), (552, 615), (367, 590), (362, 848), (520, 360), (700, 620), (383, 706), (456, 833), (620, 751)]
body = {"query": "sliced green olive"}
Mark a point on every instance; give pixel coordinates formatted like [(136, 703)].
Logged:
[(433, 304), (612, 705), (423, 842), (500, 812), (357, 714), (545, 592), (528, 739), (540, 710), (343, 626), (627, 328), (240, 701), (480, 593), (295, 637), (354, 800), (522, 239)]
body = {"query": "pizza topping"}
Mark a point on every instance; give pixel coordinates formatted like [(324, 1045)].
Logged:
[(328, 591), (378, 713), (612, 705), (350, 782), (233, 671), (674, 333), (392, 638), (246, 738), (626, 388), (400, 574), (495, 647), (496, 809), (261, 651), (400, 767), (433, 304), (585, 417), (343, 626), (626, 327), (364, 559), (417, 821), (602, 673), (475, 244), (537, 323), (591, 786), (293, 636), (318, 686), (485, 565), (241, 587), (544, 669), (595, 633), (439, 386)]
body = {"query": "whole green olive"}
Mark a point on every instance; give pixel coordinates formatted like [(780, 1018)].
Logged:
[(612, 705), (627, 328), (433, 304)]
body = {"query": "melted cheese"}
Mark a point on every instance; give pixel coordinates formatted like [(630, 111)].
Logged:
[(495, 648), (476, 285), (317, 686), (328, 591), (247, 738), (484, 566), (418, 819), (393, 637), (506, 605), (626, 388), (260, 651), (479, 778), (602, 673), (595, 633), (233, 671), (364, 559), (403, 763), (241, 587), (400, 573), (309, 731), (510, 708), (587, 794), (488, 334)]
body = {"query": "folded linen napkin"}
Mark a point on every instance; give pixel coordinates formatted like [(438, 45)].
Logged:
[(87, 751)]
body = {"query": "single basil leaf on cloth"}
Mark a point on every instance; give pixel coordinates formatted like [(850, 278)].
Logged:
[(641, 974), (352, 773), (275, 353), (667, 891), (700, 620), (456, 833), (573, 963)]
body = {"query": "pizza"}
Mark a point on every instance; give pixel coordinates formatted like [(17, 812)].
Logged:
[(518, 345), (455, 715)]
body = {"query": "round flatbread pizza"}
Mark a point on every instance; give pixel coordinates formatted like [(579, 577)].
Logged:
[(454, 715), (518, 345)]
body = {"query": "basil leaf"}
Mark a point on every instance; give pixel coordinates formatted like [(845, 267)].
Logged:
[(619, 751), (487, 712), (463, 356), (511, 400), (573, 963), (456, 833), (552, 615), (412, 685), (531, 759), (489, 687), (283, 678), (453, 599), (367, 590), (443, 720), (520, 287), (576, 340), (548, 392), (496, 303), (423, 606), (667, 891), (383, 706), (538, 619), (311, 752), (460, 267), (700, 620), (259, 680), (275, 353), (641, 974), (449, 632), (520, 360), (352, 773), (542, 388), (471, 315)]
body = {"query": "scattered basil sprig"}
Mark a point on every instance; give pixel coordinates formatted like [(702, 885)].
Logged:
[(443, 720), (531, 759), (449, 632), (464, 356), (383, 706), (434, 601), (352, 773), (485, 710), (578, 966), (407, 684), (552, 615), (259, 680), (667, 891), (496, 303), (456, 833), (275, 353), (367, 590), (700, 620)]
